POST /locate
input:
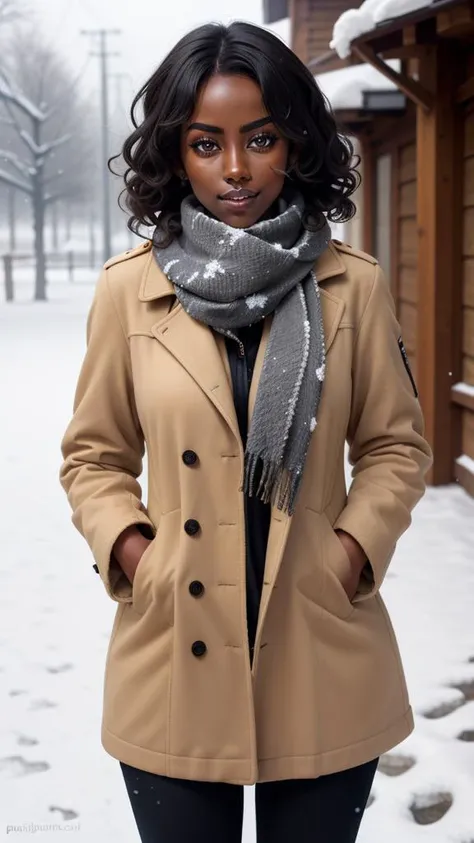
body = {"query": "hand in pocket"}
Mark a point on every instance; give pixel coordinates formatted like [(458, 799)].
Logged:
[(129, 549), (352, 565)]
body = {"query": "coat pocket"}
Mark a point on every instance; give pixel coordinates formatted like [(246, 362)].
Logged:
[(141, 580), (335, 562)]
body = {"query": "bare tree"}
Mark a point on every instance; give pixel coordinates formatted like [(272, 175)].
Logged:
[(47, 146)]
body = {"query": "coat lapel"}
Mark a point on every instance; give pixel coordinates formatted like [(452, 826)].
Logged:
[(194, 345)]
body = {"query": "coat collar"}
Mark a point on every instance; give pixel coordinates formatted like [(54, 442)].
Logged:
[(155, 285)]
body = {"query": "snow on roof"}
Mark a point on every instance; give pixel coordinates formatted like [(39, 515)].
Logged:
[(344, 88), (282, 28), (356, 22)]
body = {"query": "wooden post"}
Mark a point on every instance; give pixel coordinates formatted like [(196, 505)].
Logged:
[(439, 163), (8, 276)]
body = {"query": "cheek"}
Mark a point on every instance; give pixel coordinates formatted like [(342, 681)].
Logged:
[(273, 169), (200, 171), (275, 164)]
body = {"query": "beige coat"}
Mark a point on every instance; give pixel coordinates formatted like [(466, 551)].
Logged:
[(327, 690)]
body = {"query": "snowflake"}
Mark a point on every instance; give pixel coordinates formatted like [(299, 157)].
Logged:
[(320, 372), (258, 300), (235, 234), (191, 278), (212, 268), (168, 265)]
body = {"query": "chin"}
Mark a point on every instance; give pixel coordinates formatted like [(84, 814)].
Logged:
[(240, 223), (242, 220)]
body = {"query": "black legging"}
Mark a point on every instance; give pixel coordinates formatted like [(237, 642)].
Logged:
[(323, 810)]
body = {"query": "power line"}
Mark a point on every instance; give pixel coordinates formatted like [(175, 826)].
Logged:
[(103, 54)]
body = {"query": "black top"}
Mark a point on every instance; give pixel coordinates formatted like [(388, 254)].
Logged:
[(257, 514)]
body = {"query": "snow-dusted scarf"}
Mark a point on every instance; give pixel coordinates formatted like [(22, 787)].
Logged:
[(230, 278)]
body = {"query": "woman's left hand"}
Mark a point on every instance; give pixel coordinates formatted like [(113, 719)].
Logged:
[(356, 561)]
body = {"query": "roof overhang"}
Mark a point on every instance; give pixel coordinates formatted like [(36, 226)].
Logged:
[(400, 36), (407, 36), (404, 36)]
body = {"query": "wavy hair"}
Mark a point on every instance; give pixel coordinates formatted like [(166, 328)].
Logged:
[(324, 170)]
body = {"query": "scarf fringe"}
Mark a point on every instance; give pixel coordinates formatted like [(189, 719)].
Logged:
[(277, 485)]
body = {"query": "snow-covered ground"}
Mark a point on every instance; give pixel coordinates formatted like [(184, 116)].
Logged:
[(56, 620)]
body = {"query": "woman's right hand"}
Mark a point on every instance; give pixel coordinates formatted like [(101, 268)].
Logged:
[(129, 549)]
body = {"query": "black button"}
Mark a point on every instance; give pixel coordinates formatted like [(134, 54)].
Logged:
[(190, 458), (199, 649), (96, 569), (196, 588), (192, 527)]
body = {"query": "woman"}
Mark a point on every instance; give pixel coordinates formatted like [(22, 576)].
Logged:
[(244, 348)]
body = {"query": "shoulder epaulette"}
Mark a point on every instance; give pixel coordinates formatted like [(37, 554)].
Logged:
[(349, 250), (131, 253)]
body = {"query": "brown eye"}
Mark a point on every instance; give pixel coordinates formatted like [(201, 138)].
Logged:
[(264, 141), (205, 146)]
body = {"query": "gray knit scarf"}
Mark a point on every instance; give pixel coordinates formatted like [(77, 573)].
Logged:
[(230, 278)]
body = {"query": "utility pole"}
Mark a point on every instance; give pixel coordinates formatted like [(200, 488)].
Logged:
[(103, 55), (119, 77)]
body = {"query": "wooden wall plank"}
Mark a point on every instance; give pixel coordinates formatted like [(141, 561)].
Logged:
[(468, 331), (395, 224), (468, 370), (468, 433), (468, 239), (469, 135), (408, 237), (408, 199), (408, 163), (469, 182), (407, 316), (468, 282), (408, 284)]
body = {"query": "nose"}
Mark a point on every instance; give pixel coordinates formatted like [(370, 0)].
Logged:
[(236, 168)]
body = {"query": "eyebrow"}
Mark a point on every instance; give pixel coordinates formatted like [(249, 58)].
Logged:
[(216, 130)]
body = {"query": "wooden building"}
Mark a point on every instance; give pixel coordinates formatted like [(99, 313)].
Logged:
[(417, 146), (311, 23)]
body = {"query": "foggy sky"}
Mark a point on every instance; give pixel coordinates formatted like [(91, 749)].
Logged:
[(149, 30)]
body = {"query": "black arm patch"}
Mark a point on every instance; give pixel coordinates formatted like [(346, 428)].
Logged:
[(404, 354)]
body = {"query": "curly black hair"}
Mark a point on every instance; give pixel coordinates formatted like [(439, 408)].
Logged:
[(325, 169)]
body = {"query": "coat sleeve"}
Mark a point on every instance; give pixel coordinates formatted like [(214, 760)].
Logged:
[(103, 445), (387, 449)]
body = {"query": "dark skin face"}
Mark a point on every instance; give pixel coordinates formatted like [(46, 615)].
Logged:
[(231, 148)]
